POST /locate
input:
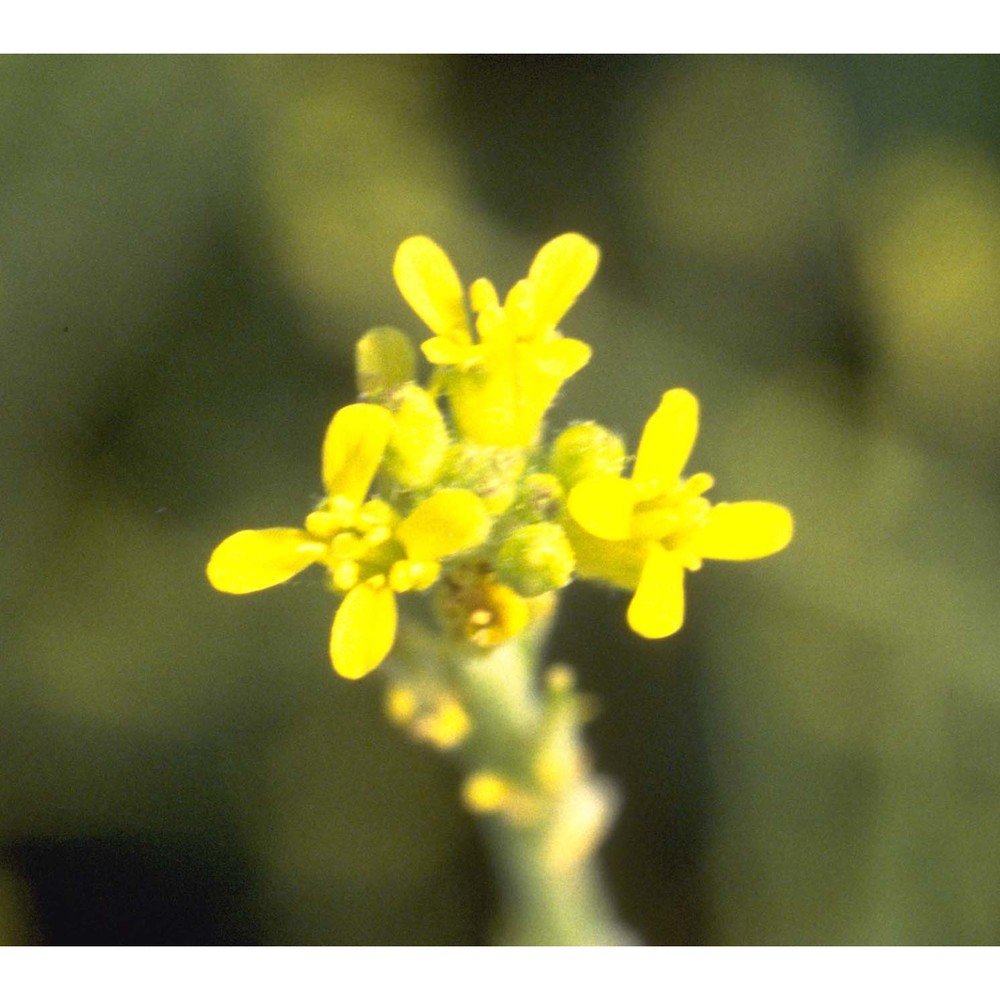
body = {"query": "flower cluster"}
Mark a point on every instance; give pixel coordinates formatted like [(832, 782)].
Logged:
[(452, 486)]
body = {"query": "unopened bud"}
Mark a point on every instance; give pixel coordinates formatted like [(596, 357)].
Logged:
[(490, 471), (401, 704), (419, 438), (539, 498), (446, 726), (486, 792), (586, 450), (535, 559), (384, 360)]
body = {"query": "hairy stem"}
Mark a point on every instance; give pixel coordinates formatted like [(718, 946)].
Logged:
[(547, 813)]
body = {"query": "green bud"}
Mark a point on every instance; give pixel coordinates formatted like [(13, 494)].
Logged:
[(419, 439), (586, 450), (540, 498), (535, 559), (491, 471), (384, 360)]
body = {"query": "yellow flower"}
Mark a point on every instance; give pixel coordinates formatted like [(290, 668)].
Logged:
[(644, 531), (501, 385), (429, 713), (370, 553)]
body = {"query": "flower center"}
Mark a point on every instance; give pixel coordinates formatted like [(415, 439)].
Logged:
[(361, 547), (663, 514)]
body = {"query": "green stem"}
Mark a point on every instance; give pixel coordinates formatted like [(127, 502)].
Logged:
[(551, 887)]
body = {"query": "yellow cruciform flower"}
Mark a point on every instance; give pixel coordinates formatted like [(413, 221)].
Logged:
[(643, 532), (500, 386), (370, 552)]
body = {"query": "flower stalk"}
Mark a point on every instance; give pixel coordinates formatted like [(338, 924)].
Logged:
[(542, 809)]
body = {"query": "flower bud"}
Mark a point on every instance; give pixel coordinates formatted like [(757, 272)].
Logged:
[(586, 450), (419, 439), (490, 471), (384, 360), (540, 498), (428, 713), (535, 559), (486, 792), (489, 792), (445, 726)]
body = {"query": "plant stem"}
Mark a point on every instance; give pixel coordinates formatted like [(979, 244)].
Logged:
[(545, 838)]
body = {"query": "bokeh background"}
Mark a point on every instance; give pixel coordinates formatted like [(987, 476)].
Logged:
[(189, 247)]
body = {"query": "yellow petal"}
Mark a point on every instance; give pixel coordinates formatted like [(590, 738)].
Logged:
[(657, 607), (255, 560), (617, 563), (562, 358), (353, 448), (364, 630), (668, 438), (429, 283), (483, 295), (450, 521), (751, 529), (603, 506), (561, 270), (442, 351)]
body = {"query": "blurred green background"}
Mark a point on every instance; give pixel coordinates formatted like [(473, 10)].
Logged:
[(189, 247)]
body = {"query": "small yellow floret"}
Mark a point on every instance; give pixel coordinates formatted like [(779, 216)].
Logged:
[(446, 726), (500, 387), (647, 530), (400, 704), (486, 792), (369, 553)]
